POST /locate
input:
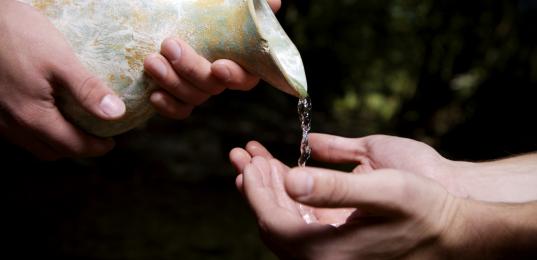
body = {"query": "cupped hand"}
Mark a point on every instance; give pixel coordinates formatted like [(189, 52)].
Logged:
[(508, 180), (376, 215), (256, 154), (36, 63), (188, 80), (389, 152)]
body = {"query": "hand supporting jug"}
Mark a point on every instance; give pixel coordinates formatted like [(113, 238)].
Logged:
[(112, 37)]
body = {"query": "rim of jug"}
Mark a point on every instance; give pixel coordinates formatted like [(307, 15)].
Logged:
[(282, 50)]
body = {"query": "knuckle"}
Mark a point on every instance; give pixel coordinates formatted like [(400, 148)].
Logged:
[(402, 188), (184, 92), (173, 83), (87, 88), (338, 191), (27, 116), (187, 70)]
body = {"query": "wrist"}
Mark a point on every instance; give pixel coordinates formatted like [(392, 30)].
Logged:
[(459, 176), (492, 230)]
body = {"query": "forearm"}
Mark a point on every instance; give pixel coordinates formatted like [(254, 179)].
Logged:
[(507, 180), (526, 162), (495, 230)]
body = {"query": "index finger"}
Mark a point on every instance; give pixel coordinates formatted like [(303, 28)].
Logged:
[(239, 158), (257, 149), (337, 149), (67, 139)]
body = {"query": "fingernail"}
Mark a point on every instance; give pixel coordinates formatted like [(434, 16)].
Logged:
[(158, 67), (174, 51), (300, 182), (112, 106), (223, 73)]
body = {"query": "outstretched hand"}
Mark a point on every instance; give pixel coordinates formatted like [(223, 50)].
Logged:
[(377, 152), (356, 215), (508, 180)]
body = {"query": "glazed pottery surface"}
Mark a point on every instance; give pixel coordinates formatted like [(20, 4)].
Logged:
[(113, 37)]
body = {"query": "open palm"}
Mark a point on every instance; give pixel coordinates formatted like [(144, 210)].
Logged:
[(272, 186), (387, 152), (351, 213)]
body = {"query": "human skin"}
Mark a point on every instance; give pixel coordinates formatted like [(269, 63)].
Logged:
[(507, 180), (188, 79), (36, 62), (375, 213)]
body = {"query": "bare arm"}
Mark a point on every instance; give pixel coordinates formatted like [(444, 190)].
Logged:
[(383, 214), (496, 230), (512, 179)]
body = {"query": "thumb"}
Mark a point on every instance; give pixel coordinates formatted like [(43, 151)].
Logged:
[(88, 90), (382, 192)]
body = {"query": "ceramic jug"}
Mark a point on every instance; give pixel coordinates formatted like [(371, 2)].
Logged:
[(112, 38)]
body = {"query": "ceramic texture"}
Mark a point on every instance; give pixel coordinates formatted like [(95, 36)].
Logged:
[(113, 37)]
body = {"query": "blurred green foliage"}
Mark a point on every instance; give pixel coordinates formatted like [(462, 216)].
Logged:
[(417, 68), (459, 75)]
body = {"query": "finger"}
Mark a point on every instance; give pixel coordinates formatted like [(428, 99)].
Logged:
[(54, 130), (384, 191), (40, 150), (263, 166), (26, 140), (239, 159), (363, 168), (164, 75), (87, 89), (271, 217), (257, 149), (239, 183), (260, 197), (336, 149), (233, 76), (278, 173), (275, 5), (191, 66), (168, 106)]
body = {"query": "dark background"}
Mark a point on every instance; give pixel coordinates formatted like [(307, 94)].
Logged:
[(458, 75)]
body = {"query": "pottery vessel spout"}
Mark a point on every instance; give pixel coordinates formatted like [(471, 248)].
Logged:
[(112, 38)]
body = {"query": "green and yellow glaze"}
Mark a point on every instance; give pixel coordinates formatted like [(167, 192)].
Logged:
[(112, 38)]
